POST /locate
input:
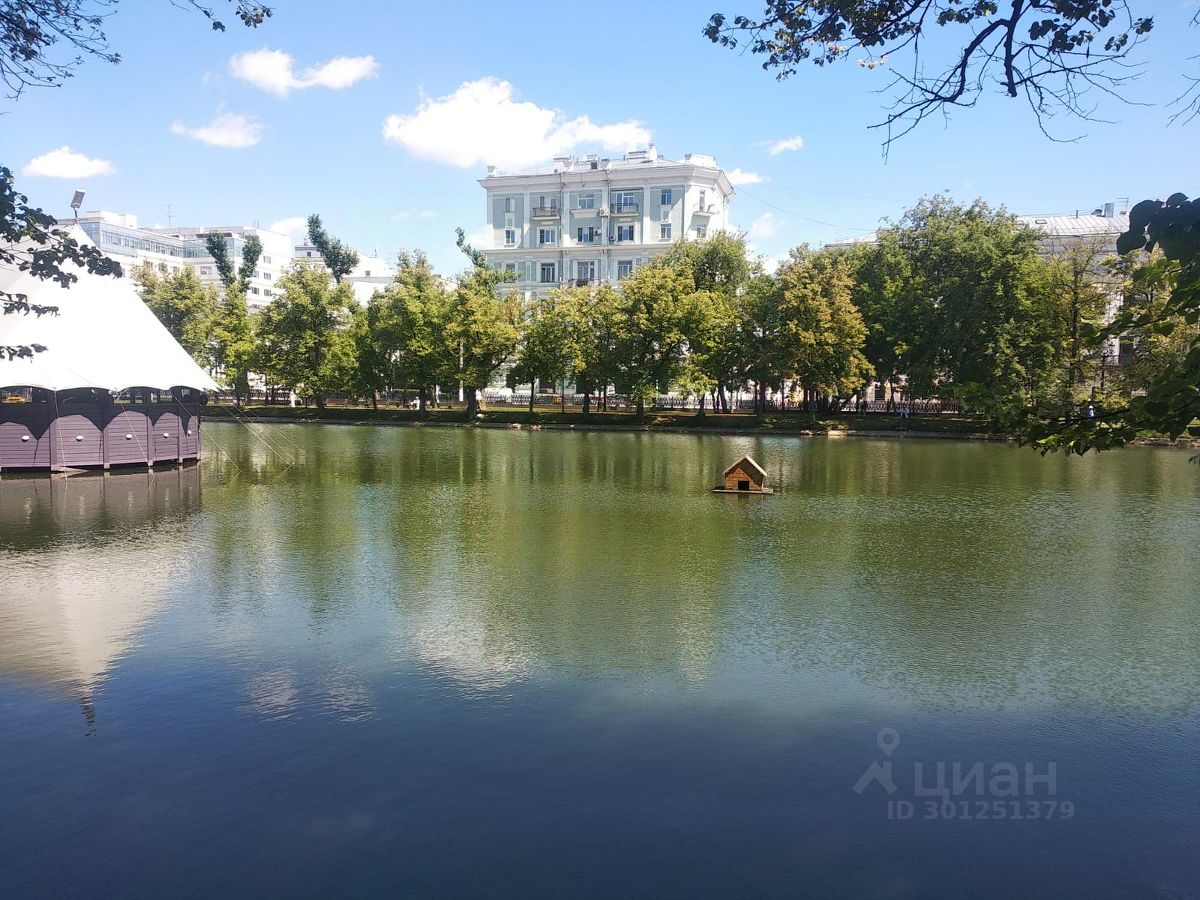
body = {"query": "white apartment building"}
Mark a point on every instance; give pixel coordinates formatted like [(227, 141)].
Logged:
[(590, 219), (275, 258), (170, 249)]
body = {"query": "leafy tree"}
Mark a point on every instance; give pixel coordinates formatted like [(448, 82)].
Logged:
[(30, 32), (339, 258), (1049, 52), (233, 343), (549, 349), (483, 325), (303, 336), (1077, 280), (185, 307), (656, 312), (597, 323), (1170, 403), (823, 331), (712, 323), (407, 326), (762, 352)]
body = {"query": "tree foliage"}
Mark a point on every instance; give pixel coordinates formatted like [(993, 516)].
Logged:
[(303, 336), (186, 308), (339, 258), (1052, 53)]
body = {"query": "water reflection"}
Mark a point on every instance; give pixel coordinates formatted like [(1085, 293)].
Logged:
[(109, 555), (942, 574)]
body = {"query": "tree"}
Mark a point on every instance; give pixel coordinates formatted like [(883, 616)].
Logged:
[(823, 332), (339, 258), (1050, 52), (1170, 403), (185, 307), (407, 325), (655, 314), (483, 326), (549, 349), (233, 344), (29, 31), (597, 327), (303, 336), (1077, 281)]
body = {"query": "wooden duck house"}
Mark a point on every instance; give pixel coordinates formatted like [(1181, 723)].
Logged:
[(744, 477)]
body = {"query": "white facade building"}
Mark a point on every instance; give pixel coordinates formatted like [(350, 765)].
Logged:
[(589, 220), (170, 249)]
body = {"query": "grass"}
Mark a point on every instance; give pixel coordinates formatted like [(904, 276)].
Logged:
[(574, 417)]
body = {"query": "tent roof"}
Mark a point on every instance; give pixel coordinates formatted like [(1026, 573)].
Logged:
[(103, 336), (750, 462)]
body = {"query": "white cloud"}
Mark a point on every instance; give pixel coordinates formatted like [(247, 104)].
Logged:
[(763, 227), (66, 163), (232, 130), (274, 71), (783, 145), (519, 133), (737, 176), (415, 214), (295, 227)]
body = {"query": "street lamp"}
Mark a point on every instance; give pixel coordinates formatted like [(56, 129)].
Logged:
[(76, 202)]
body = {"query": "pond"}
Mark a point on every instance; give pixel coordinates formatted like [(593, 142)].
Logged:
[(439, 661)]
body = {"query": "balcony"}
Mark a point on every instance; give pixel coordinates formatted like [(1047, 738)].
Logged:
[(625, 209), (544, 212), (708, 209)]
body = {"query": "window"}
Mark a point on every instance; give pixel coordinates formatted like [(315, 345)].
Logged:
[(701, 232), (587, 201), (510, 237), (664, 231), (623, 200), (665, 199), (267, 260), (587, 235), (624, 232), (585, 271), (267, 276), (254, 290), (268, 292), (624, 269), (511, 268), (508, 204), (367, 273), (205, 270), (547, 236), (547, 274), (548, 201), (703, 205)]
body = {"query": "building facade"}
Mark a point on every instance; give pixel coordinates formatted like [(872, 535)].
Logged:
[(170, 249), (594, 220)]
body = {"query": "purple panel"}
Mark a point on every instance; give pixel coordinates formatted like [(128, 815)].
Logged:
[(22, 438), (165, 432), (76, 439), (125, 438), (189, 437)]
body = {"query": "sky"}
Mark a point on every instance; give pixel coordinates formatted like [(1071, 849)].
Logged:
[(382, 121)]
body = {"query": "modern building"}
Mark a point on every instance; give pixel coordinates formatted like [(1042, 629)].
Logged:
[(170, 249), (275, 258), (595, 220)]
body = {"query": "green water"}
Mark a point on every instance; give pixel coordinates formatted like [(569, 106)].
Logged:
[(436, 662)]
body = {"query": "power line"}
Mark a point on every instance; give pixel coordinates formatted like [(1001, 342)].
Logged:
[(797, 215)]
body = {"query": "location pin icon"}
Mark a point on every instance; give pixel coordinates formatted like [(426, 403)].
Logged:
[(888, 740)]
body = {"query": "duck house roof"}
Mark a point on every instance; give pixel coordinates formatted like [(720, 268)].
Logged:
[(746, 462)]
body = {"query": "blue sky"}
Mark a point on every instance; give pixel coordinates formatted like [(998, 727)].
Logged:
[(304, 101)]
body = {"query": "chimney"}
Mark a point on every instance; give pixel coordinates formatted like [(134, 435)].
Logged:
[(1109, 209)]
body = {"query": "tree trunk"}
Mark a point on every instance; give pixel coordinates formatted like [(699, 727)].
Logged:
[(587, 402), (375, 400), (472, 403), (532, 388), (421, 413), (700, 413), (319, 400), (640, 408)]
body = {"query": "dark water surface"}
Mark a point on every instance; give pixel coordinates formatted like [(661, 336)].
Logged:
[(434, 662)]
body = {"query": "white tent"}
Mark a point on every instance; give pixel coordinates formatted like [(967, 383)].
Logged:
[(103, 336)]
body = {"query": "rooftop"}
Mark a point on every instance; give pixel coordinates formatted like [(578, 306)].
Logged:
[(634, 159)]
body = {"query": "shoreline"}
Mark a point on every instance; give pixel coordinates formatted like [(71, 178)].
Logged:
[(952, 428)]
